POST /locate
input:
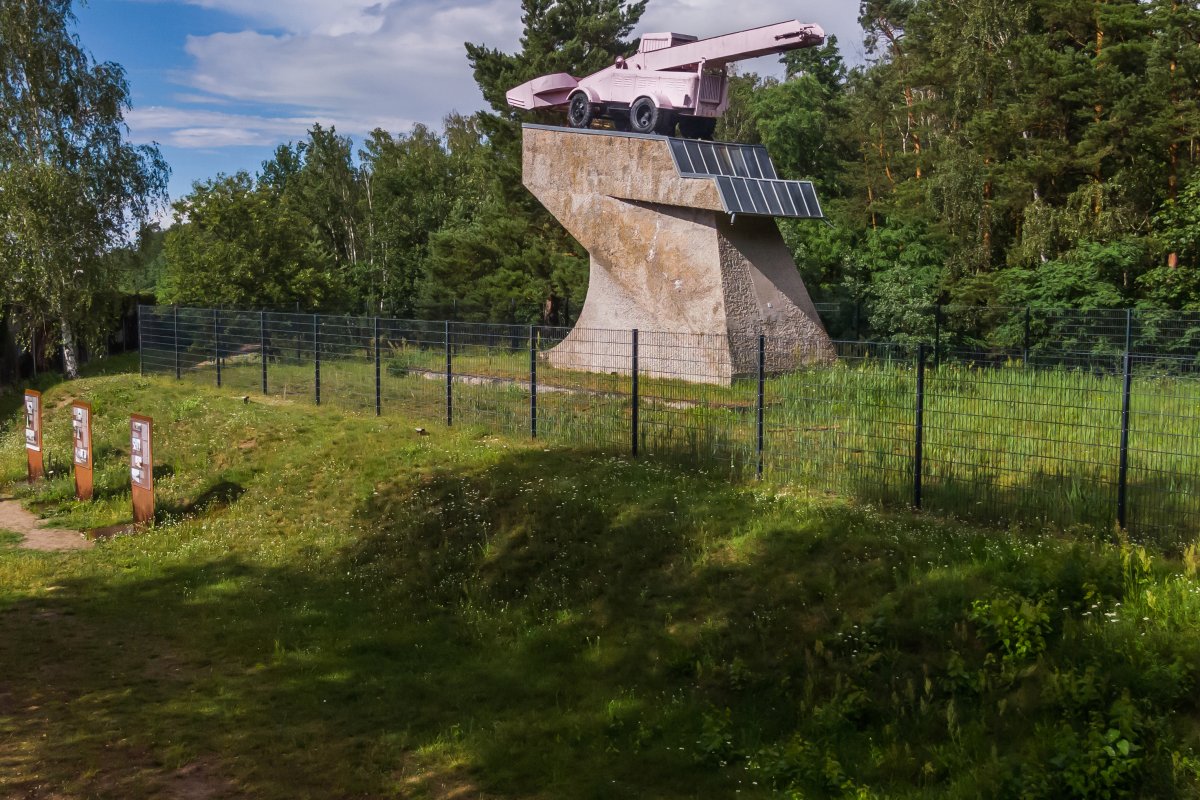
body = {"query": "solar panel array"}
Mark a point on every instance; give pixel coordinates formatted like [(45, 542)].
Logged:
[(765, 198), (746, 179), (700, 159)]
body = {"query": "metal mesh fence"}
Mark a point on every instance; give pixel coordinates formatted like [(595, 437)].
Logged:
[(1021, 332), (845, 428), (1074, 436)]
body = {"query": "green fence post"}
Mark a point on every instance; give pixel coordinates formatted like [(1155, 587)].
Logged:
[(533, 382), (634, 392), (762, 383), (217, 344), (262, 346), (378, 378), (1025, 356), (449, 379), (919, 444), (1123, 459)]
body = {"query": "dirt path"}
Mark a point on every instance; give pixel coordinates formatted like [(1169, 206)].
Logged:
[(16, 519)]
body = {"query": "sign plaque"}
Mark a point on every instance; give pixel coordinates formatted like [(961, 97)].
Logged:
[(33, 434), (81, 429), (141, 467)]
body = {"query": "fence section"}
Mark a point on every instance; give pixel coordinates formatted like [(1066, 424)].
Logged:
[(1009, 436), (1025, 442), (1022, 332), (848, 427)]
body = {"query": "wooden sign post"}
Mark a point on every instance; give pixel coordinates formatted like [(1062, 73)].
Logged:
[(33, 434), (81, 426), (141, 467)]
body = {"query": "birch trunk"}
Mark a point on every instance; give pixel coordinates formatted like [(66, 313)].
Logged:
[(70, 354)]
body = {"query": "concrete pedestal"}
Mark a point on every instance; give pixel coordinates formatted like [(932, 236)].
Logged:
[(666, 258)]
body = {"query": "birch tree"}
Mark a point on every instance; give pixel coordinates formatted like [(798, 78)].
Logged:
[(71, 184)]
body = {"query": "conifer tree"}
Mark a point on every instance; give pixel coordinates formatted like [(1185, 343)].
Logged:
[(510, 260)]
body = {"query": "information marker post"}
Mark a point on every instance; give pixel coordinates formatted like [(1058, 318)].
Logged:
[(141, 467), (81, 427), (33, 434)]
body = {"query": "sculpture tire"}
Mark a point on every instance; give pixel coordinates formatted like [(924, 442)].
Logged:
[(579, 111), (645, 116)]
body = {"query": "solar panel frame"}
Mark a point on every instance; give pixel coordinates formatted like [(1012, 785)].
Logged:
[(785, 199), (766, 166), (695, 158), (760, 197)]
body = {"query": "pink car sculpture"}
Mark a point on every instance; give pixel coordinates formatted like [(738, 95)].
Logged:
[(672, 79)]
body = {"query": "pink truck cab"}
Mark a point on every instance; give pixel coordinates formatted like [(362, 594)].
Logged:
[(673, 80)]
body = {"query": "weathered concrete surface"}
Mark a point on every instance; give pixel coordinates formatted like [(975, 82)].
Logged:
[(667, 260)]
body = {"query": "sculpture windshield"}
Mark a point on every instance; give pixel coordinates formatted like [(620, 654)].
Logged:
[(673, 81)]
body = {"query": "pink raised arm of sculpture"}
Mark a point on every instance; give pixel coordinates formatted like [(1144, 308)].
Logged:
[(673, 79)]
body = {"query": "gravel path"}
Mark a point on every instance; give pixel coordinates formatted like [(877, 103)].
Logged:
[(16, 519)]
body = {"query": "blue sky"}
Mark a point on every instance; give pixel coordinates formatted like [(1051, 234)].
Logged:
[(219, 83)]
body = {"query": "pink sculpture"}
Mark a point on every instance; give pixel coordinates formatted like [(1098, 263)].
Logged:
[(672, 79)]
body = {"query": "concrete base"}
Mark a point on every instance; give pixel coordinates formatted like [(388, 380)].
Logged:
[(667, 260)]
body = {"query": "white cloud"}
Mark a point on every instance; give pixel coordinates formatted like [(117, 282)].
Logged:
[(323, 17), (410, 66), (361, 64), (206, 130)]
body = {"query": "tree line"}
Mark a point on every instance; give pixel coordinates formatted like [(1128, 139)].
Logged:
[(988, 152)]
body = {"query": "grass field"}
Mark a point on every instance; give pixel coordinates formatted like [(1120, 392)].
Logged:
[(999, 444), (336, 606)]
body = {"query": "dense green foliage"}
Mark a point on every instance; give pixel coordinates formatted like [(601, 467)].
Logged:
[(70, 183), (462, 615), (995, 152)]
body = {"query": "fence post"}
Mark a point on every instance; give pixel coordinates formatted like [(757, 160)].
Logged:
[(533, 381), (1025, 357), (217, 344), (1123, 465), (262, 347), (937, 335), (634, 393), (141, 347), (378, 383), (449, 379), (178, 372), (317, 357), (762, 384), (919, 445), (1129, 330)]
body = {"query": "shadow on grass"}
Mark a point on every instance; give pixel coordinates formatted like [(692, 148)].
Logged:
[(566, 625), (220, 495)]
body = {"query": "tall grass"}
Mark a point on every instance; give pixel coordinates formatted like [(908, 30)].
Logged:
[(1003, 443)]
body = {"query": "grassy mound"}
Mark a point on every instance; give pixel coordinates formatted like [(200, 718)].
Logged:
[(338, 606)]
